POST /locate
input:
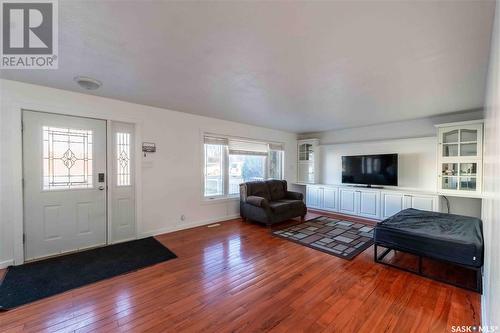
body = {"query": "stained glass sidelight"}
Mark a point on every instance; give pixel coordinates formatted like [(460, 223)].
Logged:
[(67, 158), (122, 159)]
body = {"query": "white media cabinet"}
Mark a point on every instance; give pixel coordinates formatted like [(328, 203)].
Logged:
[(372, 203)]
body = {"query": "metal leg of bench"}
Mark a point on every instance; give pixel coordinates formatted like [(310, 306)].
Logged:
[(382, 256), (479, 281), (379, 259)]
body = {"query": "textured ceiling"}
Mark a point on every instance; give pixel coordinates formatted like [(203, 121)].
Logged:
[(295, 66)]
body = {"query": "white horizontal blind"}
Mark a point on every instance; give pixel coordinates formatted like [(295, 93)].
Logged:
[(215, 140), (240, 147), (276, 146)]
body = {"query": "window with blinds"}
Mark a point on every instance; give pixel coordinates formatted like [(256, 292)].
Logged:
[(228, 162)]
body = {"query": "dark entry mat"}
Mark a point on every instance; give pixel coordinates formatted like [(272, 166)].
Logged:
[(33, 281)]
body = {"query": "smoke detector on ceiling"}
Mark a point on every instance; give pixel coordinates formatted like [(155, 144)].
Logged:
[(88, 82)]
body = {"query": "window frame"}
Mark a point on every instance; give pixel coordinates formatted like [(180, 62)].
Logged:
[(224, 163), (225, 157), (282, 164)]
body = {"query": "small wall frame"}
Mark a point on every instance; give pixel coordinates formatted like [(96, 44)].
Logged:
[(148, 147)]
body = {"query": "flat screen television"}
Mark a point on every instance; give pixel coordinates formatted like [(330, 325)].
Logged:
[(370, 169)]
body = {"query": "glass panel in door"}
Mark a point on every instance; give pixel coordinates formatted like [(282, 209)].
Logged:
[(450, 150), (450, 136), (468, 149), (449, 169), (449, 183), (468, 135), (468, 169), (310, 155), (468, 183), (304, 152)]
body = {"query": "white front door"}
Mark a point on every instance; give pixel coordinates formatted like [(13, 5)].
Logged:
[(64, 165)]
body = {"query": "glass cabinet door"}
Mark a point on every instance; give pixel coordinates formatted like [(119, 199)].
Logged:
[(459, 176), (460, 142), (306, 152), (460, 158)]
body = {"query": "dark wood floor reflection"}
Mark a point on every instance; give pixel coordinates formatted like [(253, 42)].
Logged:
[(238, 278)]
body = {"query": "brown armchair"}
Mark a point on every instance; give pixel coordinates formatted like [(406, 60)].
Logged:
[(270, 202)]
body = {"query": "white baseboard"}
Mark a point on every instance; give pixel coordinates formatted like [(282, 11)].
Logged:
[(319, 211), (187, 226), (6, 263)]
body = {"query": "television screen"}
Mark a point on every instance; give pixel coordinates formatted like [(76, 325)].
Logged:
[(370, 169)]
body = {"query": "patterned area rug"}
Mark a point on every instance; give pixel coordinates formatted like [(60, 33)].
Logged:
[(340, 238)]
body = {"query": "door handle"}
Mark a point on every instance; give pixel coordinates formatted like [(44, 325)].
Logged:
[(101, 188)]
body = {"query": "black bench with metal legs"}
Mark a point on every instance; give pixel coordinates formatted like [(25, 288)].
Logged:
[(380, 259), (446, 238)]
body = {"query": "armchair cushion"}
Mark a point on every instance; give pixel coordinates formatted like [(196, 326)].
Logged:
[(282, 206), (294, 195), (277, 189), (257, 201), (258, 189)]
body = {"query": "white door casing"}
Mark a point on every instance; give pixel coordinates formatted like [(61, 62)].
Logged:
[(64, 202), (122, 180)]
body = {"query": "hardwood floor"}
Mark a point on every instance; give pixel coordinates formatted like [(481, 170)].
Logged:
[(236, 277)]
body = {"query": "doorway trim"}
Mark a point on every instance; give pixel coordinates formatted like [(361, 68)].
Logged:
[(17, 108)]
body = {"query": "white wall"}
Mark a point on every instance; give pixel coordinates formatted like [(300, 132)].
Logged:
[(491, 203), (171, 178), (414, 141), (417, 160), (416, 128)]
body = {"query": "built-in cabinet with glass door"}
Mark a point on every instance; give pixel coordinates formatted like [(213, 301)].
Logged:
[(460, 158), (307, 161)]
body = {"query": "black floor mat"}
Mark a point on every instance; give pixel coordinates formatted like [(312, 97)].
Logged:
[(33, 281)]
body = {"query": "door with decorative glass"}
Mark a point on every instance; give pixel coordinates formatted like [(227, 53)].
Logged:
[(64, 165), (122, 215), (460, 159)]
